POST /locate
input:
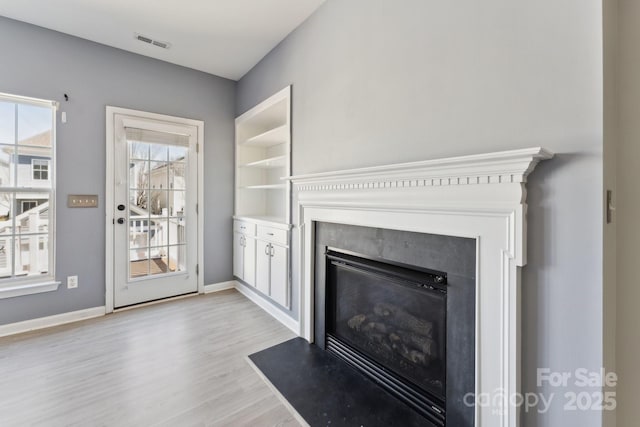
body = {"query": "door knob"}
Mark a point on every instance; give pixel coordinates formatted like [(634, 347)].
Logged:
[(120, 207), (120, 220)]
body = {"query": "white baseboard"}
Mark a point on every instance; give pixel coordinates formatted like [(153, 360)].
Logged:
[(222, 286), (49, 321), (287, 321)]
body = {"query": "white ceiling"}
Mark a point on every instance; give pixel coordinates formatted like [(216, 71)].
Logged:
[(222, 37)]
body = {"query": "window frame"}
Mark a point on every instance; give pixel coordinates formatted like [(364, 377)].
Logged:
[(18, 285)]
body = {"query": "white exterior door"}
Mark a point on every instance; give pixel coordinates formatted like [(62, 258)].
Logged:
[(155, 226)]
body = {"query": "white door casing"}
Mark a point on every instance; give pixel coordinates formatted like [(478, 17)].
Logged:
[(182, 276)]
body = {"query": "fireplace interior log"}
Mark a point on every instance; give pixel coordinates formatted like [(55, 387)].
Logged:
[(394, 329)]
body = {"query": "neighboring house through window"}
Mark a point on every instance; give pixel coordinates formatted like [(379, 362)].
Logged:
[(27, 185)]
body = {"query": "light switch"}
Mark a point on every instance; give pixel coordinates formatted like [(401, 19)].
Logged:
[(82, 200)]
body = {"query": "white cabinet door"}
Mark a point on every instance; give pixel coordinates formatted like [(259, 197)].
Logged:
[(250, 261), (263, 259), (238, 255), (279, 280)]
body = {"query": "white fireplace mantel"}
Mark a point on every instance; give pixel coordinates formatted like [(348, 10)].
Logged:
[(479, 196)]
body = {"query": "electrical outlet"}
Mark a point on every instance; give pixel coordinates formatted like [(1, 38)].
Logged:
[(72, 282)]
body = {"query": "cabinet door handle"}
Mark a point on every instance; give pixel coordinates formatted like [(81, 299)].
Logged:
[(271, 251), (266, 249), (269, 234)]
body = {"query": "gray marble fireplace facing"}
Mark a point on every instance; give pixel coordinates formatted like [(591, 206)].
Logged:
[(455, 256)]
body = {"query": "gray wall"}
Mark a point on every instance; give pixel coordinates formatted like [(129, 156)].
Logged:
[(46, 64), (378, 82)]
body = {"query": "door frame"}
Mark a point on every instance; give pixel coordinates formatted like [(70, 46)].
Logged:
[(109, 199)]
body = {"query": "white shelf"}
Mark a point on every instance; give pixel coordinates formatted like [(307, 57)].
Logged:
[(269, 138), (270, 163), (271, 221), (266, 187)]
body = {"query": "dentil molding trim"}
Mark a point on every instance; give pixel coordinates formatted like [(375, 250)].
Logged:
[(494, 168)]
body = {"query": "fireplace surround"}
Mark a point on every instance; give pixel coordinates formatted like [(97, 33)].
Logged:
[(400, 307), (481, 197)]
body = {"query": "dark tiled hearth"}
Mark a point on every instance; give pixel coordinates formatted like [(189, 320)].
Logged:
[(327, 392)]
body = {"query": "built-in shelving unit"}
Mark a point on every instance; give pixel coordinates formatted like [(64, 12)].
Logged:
[(263, 158), (262, 219)]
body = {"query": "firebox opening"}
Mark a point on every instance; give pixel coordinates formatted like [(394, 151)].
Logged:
[(389, 320)]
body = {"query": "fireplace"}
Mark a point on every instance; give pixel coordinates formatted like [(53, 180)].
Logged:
[(388, 320), (481, 197)]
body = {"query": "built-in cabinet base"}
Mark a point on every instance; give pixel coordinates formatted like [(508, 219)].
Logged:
[(261, 257)]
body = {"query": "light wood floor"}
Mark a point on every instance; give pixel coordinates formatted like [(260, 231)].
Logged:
[(179, 363)]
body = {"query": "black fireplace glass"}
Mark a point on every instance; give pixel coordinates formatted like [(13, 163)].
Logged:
[(392, 317)]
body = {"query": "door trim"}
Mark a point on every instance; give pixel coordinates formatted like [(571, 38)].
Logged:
[(109, 193)]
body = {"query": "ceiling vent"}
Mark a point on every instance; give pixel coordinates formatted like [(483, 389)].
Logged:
[(149, 40)]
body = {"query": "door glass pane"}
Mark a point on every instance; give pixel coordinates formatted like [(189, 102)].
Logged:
[(160, 232), (138, 263), (177, 153), (159, 203), (157, 192), (177, 257), (139, 202), (158, 152), (177, 231), (158, 261), (176, 202), (139, 233), (177, 176), (138, 150), (158, 176), (138, 173)]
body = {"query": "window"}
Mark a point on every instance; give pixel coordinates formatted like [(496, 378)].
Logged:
[(27, 205), (27, 186), (40, 169)]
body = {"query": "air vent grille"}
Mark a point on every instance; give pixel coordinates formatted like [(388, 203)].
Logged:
[(149, 40)]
